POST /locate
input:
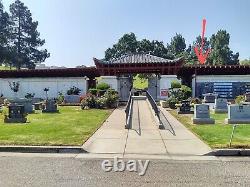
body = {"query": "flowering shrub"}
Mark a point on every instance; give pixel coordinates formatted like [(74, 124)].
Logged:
[(101, 102), (109, 100), (88, 100), (112, 98)]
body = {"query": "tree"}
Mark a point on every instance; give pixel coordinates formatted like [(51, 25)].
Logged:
[(177, 45), (128, 44), (192, 56), (4, 34), (245, 62), (25, 39), (221, 53)]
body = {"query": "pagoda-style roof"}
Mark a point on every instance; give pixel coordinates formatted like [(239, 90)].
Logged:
[(138, 63), (139, 59)]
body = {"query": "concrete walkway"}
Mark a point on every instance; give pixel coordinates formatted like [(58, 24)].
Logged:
[(144, 138)]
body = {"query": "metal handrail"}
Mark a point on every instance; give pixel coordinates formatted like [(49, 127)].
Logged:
[(128, 111), (154, 106)]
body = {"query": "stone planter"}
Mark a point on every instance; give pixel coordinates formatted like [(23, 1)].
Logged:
[(71, 99)]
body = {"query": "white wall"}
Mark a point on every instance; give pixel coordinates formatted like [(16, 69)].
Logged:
[(37, 85), (165, 83), (112, 81)]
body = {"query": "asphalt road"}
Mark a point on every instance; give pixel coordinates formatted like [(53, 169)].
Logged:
[(36, 171)]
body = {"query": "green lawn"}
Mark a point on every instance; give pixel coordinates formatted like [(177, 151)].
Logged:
[(6, 68), (218, 135), (71, 126), (140, 83)]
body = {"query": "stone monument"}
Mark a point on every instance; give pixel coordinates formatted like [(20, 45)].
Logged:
[(202, 114), (238, 114), (185, 108), (16, 114), (220, 106), (27, 103), (50, 106), (209, 97)]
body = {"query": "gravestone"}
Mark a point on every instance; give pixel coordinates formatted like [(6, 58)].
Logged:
[(72, 99), (50, 106), (16, 114), (220, 106), (185, 108), (238, 114), (38, 106), (209, 97), (202, 114), (247, 97), (27, 103)]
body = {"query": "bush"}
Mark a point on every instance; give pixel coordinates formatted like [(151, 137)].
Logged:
[(239, 99), (112, 91), (111, 99), (73, 91), (93, 91), (187, 91), (60, 98), (172, 101), (88, 100), (175, 84), (102, 86), (101, 102)]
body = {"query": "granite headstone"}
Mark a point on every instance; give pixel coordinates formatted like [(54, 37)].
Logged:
[(220, 105), (202, 114), (238, 114)]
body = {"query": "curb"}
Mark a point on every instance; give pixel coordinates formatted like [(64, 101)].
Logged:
[(42, 149), (231, 152)]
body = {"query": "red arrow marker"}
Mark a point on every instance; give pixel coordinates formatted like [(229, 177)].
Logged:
[(199, 51)]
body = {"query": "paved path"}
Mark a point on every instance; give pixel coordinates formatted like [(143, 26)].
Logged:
[(144, 138)]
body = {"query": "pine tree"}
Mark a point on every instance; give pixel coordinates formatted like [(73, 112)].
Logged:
[(4, 33), (25, 38)]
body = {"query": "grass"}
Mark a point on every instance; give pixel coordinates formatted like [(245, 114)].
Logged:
[(6, 68), (139, 83), (218, 135), (71, 126)]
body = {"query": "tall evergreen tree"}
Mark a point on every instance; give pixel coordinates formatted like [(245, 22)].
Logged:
[(4, 34), (25, 38), (177, 45), (221, 53)]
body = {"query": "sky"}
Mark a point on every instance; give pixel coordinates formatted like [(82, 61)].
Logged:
[(78, 30)]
